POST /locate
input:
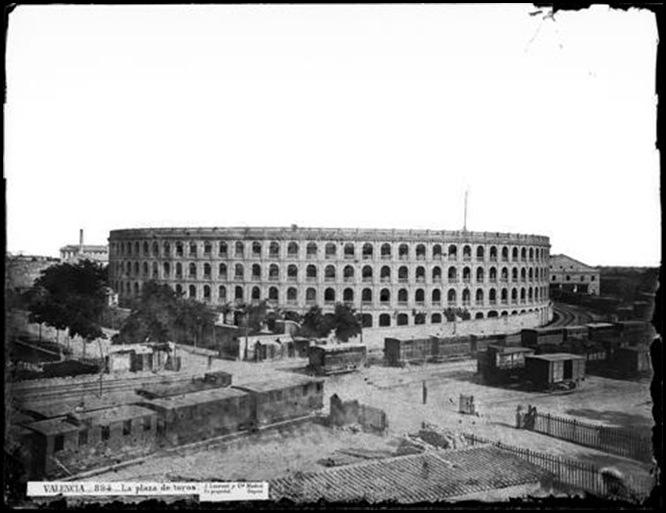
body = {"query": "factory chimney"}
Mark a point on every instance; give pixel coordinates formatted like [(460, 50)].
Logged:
[(81, 241)]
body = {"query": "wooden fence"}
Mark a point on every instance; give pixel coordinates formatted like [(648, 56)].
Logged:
[(605, 438), (580, 475)]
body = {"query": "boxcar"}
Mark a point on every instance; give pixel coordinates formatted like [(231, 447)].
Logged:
[(335, 359), (633, 361), (284, 398), (501, 363), (443, 348), (401, 352), (209, 381), (554, 370), (575, 333), (536, 337), (603, 330), (201, 415)]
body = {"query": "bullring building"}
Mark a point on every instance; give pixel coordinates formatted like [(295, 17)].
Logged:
[(391, 277)]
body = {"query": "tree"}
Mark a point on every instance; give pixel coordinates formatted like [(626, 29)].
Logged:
[(315, 323), (452, 314), (343, 320), (72, 297)]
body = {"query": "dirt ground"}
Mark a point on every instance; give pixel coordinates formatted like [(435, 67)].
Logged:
[(399, 392)]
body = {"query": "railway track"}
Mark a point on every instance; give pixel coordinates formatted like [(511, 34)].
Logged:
[(568, 315)]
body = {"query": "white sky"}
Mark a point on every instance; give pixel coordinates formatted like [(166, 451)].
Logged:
[(334, 116)]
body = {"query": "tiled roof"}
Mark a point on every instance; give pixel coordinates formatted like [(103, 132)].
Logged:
[(428, 477)]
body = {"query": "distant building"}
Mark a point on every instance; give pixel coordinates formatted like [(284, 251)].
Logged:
[(21, 271), (569, 274), (73, 253)]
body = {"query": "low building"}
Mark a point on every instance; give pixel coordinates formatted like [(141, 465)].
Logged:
[(76, 252), (570, 275)]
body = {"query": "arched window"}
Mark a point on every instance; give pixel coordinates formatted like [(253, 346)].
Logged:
[(385, 273), (145, 249), (329, 273), (330, 250), (155, 270), (480, 255), (366, 295), (193, 249), (385, 296), (492, 296), (292, 294), (467, 252), (536, 293), (530, 274), (193, 270), (256, 293), (436, 273), (436, 318), (523, 274), (523, 254), (531, 254), (514, 295), (366, 320), (505, 274), (403, 273), (453, 274), (156, 249), (420, 252), (436, 297), (403, 252), (386, 253), (402, 296), (348, 273), (274, 250), (479, 274), (273, 294), (207, 270), (492, 313), (492, 274), (145, 269), (311, 250), (206, 293), (240, 249), (222, 272), (419, 318), (504, 313), (453, 252), (222, 293), (256, 249), (420, 274), (192, 291), (166, 269), (493, 253), (530, 294), (514, 274), (273, 272), (522, 295), (514, 254), (419, 296), (167, 250), (504, 296), (451, 296), (467, 274), (239, 272), (179, 270), (384, 320), (349, 251), (292, 250), (505, 254), (256, 272), (466, 297), (367, 251), (478, 315), (179, 289), (311, 272), (292, 272), (329, 295), (208, 249), (348, 295), (366, 273), (223, 250), (403, 319), (179, 249), (479, 296), (437, 252)]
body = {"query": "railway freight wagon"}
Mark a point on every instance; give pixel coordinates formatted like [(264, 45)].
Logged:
[(501, 364), (399, 353), (632, 361), (335, 359), (282, 399), (200, 415), (575, 333), (445, 348), (543, 340), (556, 370)]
